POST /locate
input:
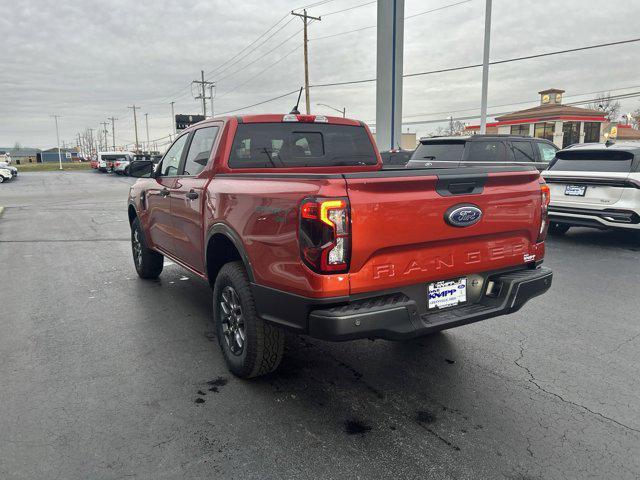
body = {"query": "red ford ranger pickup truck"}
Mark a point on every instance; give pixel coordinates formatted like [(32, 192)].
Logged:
[(296, 226)]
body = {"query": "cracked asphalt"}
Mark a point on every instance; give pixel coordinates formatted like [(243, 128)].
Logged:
[(106, 376)]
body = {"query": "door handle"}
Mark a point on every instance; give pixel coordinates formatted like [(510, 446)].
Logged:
[(191, 195), (164, 192)]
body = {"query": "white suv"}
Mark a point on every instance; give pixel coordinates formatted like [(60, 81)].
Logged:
[(595, 185)]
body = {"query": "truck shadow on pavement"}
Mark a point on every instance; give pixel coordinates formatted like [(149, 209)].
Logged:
[(600, 238)]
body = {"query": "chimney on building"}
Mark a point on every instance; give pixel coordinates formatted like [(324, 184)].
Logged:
[(551, 96)]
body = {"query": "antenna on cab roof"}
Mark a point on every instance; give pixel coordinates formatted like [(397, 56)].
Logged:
[(294, 110)]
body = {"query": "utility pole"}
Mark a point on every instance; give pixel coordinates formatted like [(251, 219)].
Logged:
[(146, 120), (104, 130), (90, 142), (211, 87), (58, 139), (203, 91), (173, 118), (485, 67), (305, 20), (113, 131), (135, 125)]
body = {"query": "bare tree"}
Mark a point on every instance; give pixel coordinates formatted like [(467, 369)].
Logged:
[(16, 147), (635, 118), (454, 127), (604, 103)]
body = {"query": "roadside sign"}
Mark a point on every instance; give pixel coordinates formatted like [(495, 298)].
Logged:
[(184, 121)]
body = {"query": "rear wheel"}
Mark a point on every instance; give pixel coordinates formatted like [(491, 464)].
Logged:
[(148, 263), (558, 228), (251, 347), (1, 179)]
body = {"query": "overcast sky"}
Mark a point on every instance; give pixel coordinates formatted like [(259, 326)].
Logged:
[(87, 60)]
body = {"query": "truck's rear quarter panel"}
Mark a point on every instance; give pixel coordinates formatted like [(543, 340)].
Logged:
[(264, 210)]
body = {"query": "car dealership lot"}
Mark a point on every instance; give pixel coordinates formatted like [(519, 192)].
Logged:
[(105, 375)]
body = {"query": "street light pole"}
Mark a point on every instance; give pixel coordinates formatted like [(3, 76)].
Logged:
[(173, 118), (135, 125), (146, 120), (58, 139), (343, 110), (485, 67)]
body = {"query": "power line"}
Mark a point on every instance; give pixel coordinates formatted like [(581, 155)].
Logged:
[(374, 26), (497, 114), (260, 58), (261, 103), (347, 9), (476, 65), (253, 77), (522, 102)]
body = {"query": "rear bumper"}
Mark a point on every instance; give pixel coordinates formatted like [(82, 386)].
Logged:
[(398, 316), (604, 218)]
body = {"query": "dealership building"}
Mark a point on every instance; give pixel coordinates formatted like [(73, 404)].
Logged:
[(562, 124)]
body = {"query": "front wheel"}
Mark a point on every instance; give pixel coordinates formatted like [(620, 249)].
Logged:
[(251, 347), (148, 263), (558, 228), (1, 179)]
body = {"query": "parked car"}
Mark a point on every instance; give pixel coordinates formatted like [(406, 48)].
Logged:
[(595, 185), (296, 226), (106, 160), (5, 174), (395, 158), (121, 167), (477, 150), (12, 169)]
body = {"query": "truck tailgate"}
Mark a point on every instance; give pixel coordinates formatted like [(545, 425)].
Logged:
[(400, 235)]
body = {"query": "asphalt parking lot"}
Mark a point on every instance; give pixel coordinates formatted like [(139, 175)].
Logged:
[(107, 376)]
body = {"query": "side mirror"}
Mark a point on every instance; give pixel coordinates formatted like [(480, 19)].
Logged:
[(141, 168)]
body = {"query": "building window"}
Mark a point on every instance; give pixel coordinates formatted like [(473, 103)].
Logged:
[(544, 130), (522, 129), (571, 133), (591, 132)]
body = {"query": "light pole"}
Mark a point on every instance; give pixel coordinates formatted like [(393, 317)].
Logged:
[(485, 67), (146, 120), (58, 139), (173, 118), (343, 111)]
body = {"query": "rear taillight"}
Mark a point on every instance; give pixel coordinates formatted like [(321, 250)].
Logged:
[(325, 234), (544, 212)]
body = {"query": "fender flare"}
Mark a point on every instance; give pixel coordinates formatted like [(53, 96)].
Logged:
[(232, 235)]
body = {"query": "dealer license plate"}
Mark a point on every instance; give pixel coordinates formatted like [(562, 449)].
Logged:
[(447, 293), (575, 190)]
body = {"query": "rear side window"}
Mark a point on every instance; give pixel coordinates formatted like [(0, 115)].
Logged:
[(491, 151), (439, 151), (592, 161), (199, 150), (547, 152), (523, 152), (270, 145)]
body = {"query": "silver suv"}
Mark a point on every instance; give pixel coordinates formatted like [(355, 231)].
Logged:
[(595, 185)]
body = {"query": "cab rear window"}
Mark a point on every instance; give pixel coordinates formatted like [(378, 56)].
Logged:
[(592, 161), (282, 145)]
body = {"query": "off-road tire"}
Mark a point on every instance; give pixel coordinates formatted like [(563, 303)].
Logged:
[(556, 228), (264, 342), (149, 263)]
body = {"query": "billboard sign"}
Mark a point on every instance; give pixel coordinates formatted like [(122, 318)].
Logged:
[(184, 121)]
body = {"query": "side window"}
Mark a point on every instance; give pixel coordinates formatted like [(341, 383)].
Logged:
[(200, 150), (171, 160), (523, 152), (547, 152), (490, 151)]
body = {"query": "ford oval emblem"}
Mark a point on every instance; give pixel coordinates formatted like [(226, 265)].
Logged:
[(463, 215)]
